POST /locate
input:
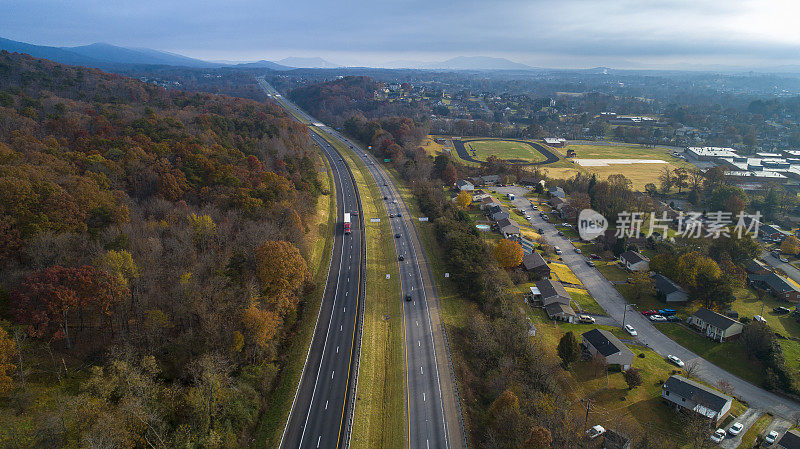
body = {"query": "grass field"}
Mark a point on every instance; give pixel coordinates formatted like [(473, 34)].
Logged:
[(504, 149), (562, 273), (379, 419)]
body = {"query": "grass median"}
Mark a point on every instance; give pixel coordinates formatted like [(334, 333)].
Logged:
[(380, 413)]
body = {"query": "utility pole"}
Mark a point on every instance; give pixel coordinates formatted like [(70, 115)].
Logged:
[(586, 419), (625, 312)]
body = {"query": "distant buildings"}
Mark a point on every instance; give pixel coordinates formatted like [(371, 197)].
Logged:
[(555, 142)]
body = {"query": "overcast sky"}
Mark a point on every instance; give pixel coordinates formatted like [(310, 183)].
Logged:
[(551, 33)]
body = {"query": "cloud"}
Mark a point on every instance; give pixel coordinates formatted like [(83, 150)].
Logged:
[(581, 32)]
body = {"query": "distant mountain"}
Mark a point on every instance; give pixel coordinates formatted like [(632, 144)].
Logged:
[(100, 55), (462, 63), (308, 63), (265, 64)]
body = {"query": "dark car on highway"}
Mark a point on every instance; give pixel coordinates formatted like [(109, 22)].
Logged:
[(408, 297), (397, 236), (401, 258)]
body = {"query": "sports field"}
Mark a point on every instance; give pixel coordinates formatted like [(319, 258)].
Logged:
[(503, 149)]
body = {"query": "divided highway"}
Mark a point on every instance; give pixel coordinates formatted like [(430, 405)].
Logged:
[(320, 412), (433, 416)]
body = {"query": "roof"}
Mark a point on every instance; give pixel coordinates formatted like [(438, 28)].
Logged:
[(557, 307), (550, 288), (605, 342), (774, 281), (790, 440), (488, 200), (510, 229), (754, 266), (697, 393), (556, 191), (665, 285), (713, 318), (504, 222), (496, 216), (534, 260), (496, 209), (633, 257)]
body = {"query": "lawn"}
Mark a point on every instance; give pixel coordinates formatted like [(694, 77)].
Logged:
[(611, 270), (585, 300), (504, 149), (380, 412), (562, 273), (729, 356)]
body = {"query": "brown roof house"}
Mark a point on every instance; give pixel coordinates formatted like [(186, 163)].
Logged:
[(602, 343), (716, 326), (555, 299), (535, 262)]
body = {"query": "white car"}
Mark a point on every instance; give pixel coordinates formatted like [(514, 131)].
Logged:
[(718, 435), (578, 250), (735, 428), (771, 437), (658, 318), (784, 260), (676, 361), (595, 431), (557, 250), (630, 330)]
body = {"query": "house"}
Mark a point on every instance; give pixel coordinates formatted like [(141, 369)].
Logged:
[(535, 262), (497, 216), (504, 222), (775, 284), (486, 180), (551, 291), (716, 326), (789, 440), (494, 209), (757, 267), (479, 195), (488, 202), (773, 233), (557, 202), (689, 395), (556, 191), (561, 312), (511, 230), (555, 142), (568, 213), (634, 261), (667, 290), (602, 343), (465, 185)]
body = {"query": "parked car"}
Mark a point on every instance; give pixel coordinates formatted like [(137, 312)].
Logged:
[(674, 319), (783, 259), (649, 312), (658, 318), (566, 225), (545, 218), (676, 360), (631, 330), (585, 319), (718, 435), (667, 312), (558, 250), (595, 431), (736, 428), (561, 233), (781, 310), (578, 250), (391, 215), (540, 230), (594, 256), (771, 437), (534, 207), (590, 263)]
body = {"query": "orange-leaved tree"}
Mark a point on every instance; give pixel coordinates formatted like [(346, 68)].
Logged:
[(464, 199), (8, 351), (508, 253), (281, 271)]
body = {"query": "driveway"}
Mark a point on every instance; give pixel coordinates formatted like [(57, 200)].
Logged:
[(614, 304), (779, 425), (792, 272), (748, 418)]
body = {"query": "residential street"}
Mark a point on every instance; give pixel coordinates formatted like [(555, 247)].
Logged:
[(614, 304), (792, 272)]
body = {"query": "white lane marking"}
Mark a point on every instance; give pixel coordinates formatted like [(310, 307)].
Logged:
[(318, 440), (345, 293), (344, 309), (417, 322), (340, 328), (419, 343), (420, 371), (334, 372), (423, 397), (326, 404), (337, 349)]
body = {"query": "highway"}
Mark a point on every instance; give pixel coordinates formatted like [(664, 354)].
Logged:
[(319, 417), (433, 420)]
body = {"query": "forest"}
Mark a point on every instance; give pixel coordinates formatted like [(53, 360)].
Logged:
[(151, 258)]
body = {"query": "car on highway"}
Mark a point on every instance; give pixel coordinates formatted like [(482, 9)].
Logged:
[(718, 435), (355, 212), (736, 428), (386, 197), (771, 437), (649, 312), (589, 262), (675, 360), (399, 214), (408, 297), (658, 318), (401, 258), (391, 215), (385, 184), (540, 230), (397, 236), (585, 319), (630, 330), (577, 250)]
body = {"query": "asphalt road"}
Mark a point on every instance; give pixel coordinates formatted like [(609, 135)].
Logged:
[(792, 272), (614, 304), (429, 410), (549, 155), (320, 413)]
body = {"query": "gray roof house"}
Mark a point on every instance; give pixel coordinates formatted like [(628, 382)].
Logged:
[(551, 291), (755, 266), (775, 284), (634, 261), (789, 440), (667, 290), (556, 191), (504, 222), (497, 216), (604, 344), (488, 203), (562, 312), (465, 185), (511, 230), (716, 326), (496, 208), (536, 263), (689, 395)]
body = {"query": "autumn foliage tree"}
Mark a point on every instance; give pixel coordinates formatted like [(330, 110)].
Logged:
[(568, 349), (790, 245), (52, 300), (281, 271), (7, 352), (464, 199), (539, 438), (508, 253)]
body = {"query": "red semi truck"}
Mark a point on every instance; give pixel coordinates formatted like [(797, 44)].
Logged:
[(346, 221)]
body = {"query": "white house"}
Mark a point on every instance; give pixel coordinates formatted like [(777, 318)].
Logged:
[(689, 395), (634, 261)]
